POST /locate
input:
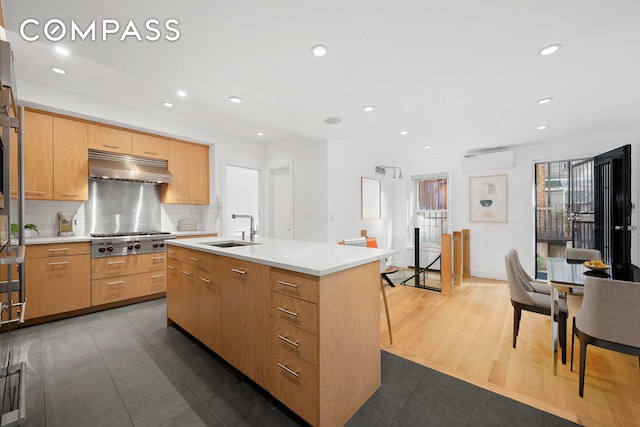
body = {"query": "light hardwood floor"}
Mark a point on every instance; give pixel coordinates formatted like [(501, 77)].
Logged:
[(468, 336)]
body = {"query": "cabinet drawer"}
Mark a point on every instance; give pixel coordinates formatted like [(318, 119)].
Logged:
[(57, 249), (106, 138), (127, 264), (296, 384), (295, 284), (57, 285), (295, 312), (197, 258), (174, 253), (148, 146), (297, 341), (113, 289)]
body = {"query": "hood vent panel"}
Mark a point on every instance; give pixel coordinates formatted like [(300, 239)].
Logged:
[(123, 167)]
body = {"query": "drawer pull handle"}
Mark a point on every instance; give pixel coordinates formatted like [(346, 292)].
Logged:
[(110, 146), (58, 250), (290, 313), (69, 194), (188, 273), (205, 280), (157, 276), (171, 267), (157, 257), (284, 367), (60, 263), (195, 259), (288, 341), (151, 152), (291, 285), (34, 193), (238, 271), (114, 262), (119, 282), (172, 252)]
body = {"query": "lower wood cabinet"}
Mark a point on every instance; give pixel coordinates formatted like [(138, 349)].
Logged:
[(312, 342), (112, 289), (57, 285)]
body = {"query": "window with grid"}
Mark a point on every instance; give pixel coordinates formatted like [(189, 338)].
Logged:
[(431, 208)]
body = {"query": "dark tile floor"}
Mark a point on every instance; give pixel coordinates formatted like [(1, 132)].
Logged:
[(124, 367)]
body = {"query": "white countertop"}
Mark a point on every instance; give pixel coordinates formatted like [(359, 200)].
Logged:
[(317, 259), (193, 232)]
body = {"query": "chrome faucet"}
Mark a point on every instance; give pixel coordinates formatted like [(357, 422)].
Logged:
[(252, 230)]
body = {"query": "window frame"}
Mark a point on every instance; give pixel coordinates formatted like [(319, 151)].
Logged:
[(415, 179)]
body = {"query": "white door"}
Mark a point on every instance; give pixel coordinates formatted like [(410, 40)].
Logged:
[(242, 198), (281, 203)]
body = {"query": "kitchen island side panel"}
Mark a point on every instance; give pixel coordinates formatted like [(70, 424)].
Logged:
[(349, 338)]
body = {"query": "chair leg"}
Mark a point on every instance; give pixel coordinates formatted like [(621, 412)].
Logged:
[(583, 363), (573, 338), (562, 330), (517, 314), (386, 310)]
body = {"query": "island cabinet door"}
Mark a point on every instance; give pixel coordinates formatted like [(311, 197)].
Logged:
[(174, 301), (246, 341), (209, 300)]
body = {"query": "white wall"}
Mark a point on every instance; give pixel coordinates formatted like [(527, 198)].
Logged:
[(346, 166), (491, 241), (308, 161)]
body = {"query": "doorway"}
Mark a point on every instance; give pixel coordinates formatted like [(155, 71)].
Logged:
[(242, 192), (281, 185)]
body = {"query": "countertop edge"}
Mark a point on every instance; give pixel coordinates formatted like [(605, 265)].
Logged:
[(197, 244)]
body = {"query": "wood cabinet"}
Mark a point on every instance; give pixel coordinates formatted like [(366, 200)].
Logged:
[(57, 279), (70, 162), (198, 174), (129, 276), (246, 342), (38, 154), (55, 153), (149, 146), (312, 342), (107, 138), (189, 165)]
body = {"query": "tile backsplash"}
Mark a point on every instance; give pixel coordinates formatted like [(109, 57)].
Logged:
[(44, 214)]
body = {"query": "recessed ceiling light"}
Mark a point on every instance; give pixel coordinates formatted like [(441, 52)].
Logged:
[(235, 99), (368, 108), (426, 147), (550, 50), (332, 120), (544, 100), (260, 134), (404, 132), (168, 104), (181, 93), (58, 70), (543, 127), (319, 50), (63, 51)]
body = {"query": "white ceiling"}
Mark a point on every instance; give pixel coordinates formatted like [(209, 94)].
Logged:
[(457, 75)]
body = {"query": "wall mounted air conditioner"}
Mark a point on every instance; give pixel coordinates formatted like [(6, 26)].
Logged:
[(494, 160)]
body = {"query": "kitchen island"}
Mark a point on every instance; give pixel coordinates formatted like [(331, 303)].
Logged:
[(301, 319)]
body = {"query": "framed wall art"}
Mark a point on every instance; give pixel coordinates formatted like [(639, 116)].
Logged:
[(371, 206), (488, 198)]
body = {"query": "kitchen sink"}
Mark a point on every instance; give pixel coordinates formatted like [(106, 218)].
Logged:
[(230, 244)]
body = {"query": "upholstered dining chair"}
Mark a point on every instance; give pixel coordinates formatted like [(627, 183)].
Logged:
[(523, 299), (609, 318), (371, 242), (531, 285), (580, 254)]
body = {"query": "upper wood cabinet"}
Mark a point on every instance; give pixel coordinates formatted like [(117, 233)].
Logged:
[(38, 154), (149, 146), (70, 163), (198, 174), (189, 165), (107, 138)]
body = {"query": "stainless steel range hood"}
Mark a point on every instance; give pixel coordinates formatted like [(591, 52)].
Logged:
[(105, 165)]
